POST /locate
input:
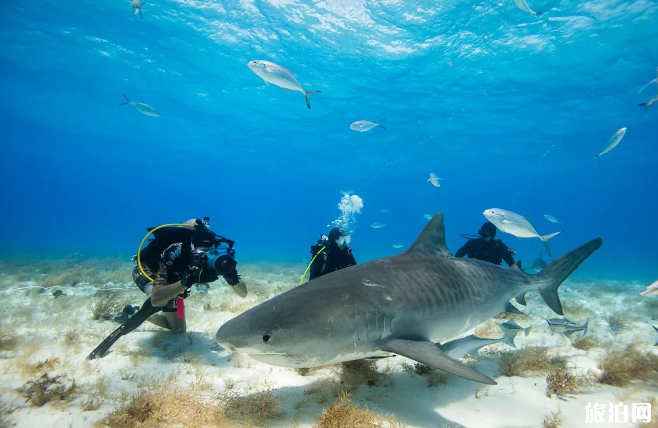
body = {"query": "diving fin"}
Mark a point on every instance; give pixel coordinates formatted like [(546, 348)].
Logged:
[(428, 353)]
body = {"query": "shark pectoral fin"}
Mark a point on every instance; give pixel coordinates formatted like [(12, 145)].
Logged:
[(428, 353), (520, 299)]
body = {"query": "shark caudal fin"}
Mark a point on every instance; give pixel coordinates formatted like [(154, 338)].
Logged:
[(306, 94), (559, 270), (127, 101), (544, 240)]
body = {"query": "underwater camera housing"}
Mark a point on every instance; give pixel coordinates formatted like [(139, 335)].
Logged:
[(220, 258)]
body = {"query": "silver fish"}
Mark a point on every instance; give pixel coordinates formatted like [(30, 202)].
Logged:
[(521, 4), (471, 344), (385, 210), (537, 264), (513, 326), (137, 7), (551, 218), (398, 245), (377, 225), (517, 225), (365, 125), (279, 76), (427, 216), (652, 100), (612, 142), (142, 108), (566, 327), (435, 181), (652, 290)]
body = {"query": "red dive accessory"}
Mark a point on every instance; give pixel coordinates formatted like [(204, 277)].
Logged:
[(180, 308)]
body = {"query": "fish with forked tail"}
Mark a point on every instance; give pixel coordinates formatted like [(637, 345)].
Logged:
[(137, 7), (279, 76), (517, 225), (566, 327)]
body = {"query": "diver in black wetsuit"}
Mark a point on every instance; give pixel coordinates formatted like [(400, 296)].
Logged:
[(331, 253), (487, 248), (179, 257)]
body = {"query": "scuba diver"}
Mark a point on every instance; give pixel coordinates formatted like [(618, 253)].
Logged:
[(331, 253), (487, 248), (179, 257)]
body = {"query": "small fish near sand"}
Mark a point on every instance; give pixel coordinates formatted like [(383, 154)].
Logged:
[(377, 225), (435, 182), (513, 326), (652, 290), (137, 7), (366, 125), (551, 219), (279, 76), (612, 143), (471, 344), (538, 264), (398, 245), (517, 225), (142, 108), (566, 327)]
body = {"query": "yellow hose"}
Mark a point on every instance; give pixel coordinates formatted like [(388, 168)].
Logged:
[(139, 258), (309, 265)]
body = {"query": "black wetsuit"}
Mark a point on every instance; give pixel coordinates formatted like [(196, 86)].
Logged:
[(331, 259), (492, 251)]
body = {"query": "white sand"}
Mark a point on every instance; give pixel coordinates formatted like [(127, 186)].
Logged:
[(150, 353)]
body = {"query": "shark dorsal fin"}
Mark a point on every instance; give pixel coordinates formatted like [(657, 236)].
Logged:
[(432, 240), (517, 266)]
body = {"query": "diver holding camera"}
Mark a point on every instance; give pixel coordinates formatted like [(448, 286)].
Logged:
[(179, 257)]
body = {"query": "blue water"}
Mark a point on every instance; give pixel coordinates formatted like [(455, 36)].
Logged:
[(508, 109)]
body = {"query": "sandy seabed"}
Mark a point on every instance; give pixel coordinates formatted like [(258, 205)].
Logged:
[(153, 378)]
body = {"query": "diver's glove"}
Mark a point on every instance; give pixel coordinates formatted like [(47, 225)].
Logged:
[(196, 276)]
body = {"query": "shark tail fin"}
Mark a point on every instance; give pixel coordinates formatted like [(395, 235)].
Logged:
[(521, 299), (382, 126), (544, 240), (559, 270), (306, 95), (526, 331), (586, 323), (127, 101), (655, 328)]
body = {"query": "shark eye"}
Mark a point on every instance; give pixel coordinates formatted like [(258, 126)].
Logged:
[(266, 338)]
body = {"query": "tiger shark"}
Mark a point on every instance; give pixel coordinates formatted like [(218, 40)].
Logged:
[(402, 304)]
